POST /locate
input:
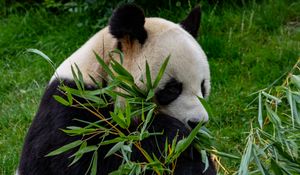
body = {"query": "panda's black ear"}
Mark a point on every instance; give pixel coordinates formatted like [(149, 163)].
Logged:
[(128, 20), (192, 22)]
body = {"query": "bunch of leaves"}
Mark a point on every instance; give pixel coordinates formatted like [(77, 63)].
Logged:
[(136, 102), (207, 145), (273, 142)]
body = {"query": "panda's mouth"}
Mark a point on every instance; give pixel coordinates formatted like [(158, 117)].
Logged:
[(193, 124)]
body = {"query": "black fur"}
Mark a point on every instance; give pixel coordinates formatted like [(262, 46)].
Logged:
[(192, 22), (128, 20), (203, 89), (119, 46), (169, 93), (45, 135)]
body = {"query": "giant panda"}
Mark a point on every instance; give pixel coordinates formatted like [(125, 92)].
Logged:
[(140, 39)]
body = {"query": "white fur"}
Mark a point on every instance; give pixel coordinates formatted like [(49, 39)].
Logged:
[(101, 43), (188, 63)]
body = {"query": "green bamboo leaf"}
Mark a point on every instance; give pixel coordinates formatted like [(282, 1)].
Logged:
[(94, 163), (292, 99), (166, 148), (148, 77), (204, 159), (296, 96), (120, 94), (222, 154), (77, 157), (121, 116), (259, 164), (184, 143), (86, 149), (260, 117), (119, 69), (284, 153), (138, 169), (76, 79), (127, 113), (127, 148), (74, 130), (125, 79), (114, 149), (94, 99), (293, 106), (132, 90), (70, 98), (142, 112), (72, 91), (61, 100), (139, 92), (295, 109), (40, 53), (295, 79), (181, 146), (206, 107), (104, 66), (118, 120), (144, 109), (277, 100), (114, 140), (161, 72), (243, 170), (156, 164), (134, 137), (91, 96), (205, 132), (122, 170), (65, 148), (273, 117), (80, 76), (147, 156), (171, 155), (120, 53), (146, 122), (150, 95), (174, 144), (96, 82)]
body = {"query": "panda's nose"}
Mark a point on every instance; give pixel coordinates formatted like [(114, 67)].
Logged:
[(194, 123)]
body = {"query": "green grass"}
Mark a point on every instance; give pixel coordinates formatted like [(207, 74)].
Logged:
[(248, 48)]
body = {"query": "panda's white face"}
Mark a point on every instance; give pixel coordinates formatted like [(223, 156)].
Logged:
[(187, 75), (186, 79)]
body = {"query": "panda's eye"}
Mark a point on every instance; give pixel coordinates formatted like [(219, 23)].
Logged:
[(203, 89), (169, 93)]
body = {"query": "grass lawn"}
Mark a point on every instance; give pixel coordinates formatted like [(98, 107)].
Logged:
[(249, 46)]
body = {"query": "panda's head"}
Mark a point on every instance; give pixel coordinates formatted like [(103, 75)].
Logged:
[(141, 39), (187, 75)]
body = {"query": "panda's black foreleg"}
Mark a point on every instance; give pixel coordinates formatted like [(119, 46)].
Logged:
[(45, 135), (189, 162), (186, 166)]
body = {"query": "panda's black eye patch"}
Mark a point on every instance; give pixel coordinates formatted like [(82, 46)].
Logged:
[(203, 89), (169, 93)]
